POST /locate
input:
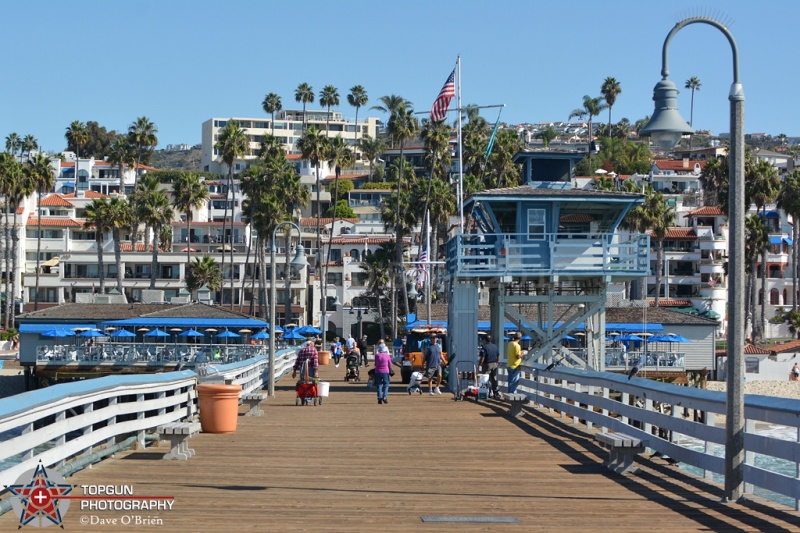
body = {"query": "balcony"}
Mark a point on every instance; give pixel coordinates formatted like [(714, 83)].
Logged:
[(553, 254)]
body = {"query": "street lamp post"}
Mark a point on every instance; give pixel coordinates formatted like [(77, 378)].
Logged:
[(358, 302), (298, 262), (666, 127)]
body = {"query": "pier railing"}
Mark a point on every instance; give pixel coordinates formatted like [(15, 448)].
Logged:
[(663, 415), (579, 254), (250, 374), (73, 420)]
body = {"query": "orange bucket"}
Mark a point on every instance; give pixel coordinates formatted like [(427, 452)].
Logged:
[(219, 407)]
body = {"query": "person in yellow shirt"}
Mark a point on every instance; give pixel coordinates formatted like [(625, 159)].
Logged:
[(514, 361)]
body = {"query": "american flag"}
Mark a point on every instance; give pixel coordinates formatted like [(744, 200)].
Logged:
[(442, 102)]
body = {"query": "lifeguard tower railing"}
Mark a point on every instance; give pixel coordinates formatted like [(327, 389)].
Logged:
[(620, 256)]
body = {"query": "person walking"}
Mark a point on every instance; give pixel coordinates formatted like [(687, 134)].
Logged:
[(794, 375), (514, 362), (383, 369), (433, 366), (362, 347), (350, 343), (336, 351), (489, 358), (308, 353)]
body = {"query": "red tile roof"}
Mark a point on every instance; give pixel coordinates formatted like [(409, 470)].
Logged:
[(312, 221), (678, 233), (679, 164), (705, 211), (669, 302), (55, 200), (748, 349), (332, 177), (86, 194), (55, 222), (791, 346), (20, 210)]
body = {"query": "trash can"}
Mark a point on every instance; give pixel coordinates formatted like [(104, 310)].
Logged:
[(324, 357), (219, 407)]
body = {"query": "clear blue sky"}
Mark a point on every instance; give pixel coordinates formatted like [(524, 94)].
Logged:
[(182, 62)]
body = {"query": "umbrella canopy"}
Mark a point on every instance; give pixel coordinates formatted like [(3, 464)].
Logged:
[(156, 333), (292, 334), (569, 338), (123, 333), (525, 338), (191, 333), (58, 332), (91, 333), (227, 335), (659, 338), (629, 337), (260, 335), (676, 338), (309, 330)]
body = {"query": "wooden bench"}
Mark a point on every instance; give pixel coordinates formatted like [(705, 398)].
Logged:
[(254, 401), (517, 401), (178, 435), (622, 450)]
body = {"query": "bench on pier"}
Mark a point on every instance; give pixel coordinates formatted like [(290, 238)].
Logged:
[(622, 449), (254, 401), (178, 435), (517, 401)]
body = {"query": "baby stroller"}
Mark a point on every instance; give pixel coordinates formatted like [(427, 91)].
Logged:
[(352, 367), (415, 382)]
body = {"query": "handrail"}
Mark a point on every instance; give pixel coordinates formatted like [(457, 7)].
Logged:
[(251, 374), (641, 407)]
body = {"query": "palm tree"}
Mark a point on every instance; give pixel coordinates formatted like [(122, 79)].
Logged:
[(13, 143), (272, 104), (156, 212), (357, 98), (204, 271), (547, 135), (610, 90), (29, 144), (121, 153), (142, 136), (377, 268), (77, 135), (120, 213), (591, 108), (392, 104), (16, 186), (789, 201), (694, 84), (763, 183), (371, 149), (436, 140), (501, 166), (189, 194), (328, 97), (41, 174), (660, 216), (305, 94), (714, 178), (314, 147), (757, 240), (98, 217), (232, 144), (339, 156)]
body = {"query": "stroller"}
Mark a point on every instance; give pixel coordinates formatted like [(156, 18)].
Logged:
[(353, 360), (415, 382)]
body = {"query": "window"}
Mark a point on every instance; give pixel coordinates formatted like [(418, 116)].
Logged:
[(46, 233), (536, 224), (334, 278), (774, 297)]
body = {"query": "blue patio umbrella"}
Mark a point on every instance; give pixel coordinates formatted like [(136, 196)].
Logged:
[(292, 334), (90, 333), (630, 337), (309, 330), (122, 333), (569, 338), (191, 333), (261, 335), (227, 334), (676, 338), (526, 338), (57, 333), (659, 338), (156, 333)]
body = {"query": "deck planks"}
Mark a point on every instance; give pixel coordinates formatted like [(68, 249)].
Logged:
[(353, 465)]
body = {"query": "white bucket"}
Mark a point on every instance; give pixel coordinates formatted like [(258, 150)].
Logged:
[(324, 388), (483, 379)]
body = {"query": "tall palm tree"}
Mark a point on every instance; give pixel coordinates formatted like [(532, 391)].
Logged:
[(714, 178), (305, 94), (757, 240), (694, 84), (98, 217), (357, 98), (763, 182), (789, 201), (77, 135), (120, 213), (377, 268), (232, 144), (41, 174), (392, 104), (501, 169), (660, 217), (328, 97), (547, 135), (121, 153), (16, 186), (339, 156), (371, 148), (29, 144), (592, 107), (436, 141), (142, 136), (610, 90), (272, 104), (158, 214), (13, 143), (403, 127), (189, 193)]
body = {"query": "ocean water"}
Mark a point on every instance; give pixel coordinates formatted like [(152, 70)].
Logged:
[(765, 462)]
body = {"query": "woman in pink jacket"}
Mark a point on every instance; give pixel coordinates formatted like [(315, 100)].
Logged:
[(383, 368)]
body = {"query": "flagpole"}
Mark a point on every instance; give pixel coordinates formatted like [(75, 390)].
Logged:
[(428, 277), (460, 155)]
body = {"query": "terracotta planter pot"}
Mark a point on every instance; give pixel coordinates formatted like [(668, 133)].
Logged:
[(219, 407), (324, 357)]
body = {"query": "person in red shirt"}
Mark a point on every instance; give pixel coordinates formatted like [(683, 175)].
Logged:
[(307, 353)]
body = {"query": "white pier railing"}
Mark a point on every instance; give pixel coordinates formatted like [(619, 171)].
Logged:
[(250, 374)]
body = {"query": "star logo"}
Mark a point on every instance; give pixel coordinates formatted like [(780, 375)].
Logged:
[(38, 502)]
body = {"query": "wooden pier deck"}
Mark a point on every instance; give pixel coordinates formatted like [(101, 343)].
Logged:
[(353, 465)]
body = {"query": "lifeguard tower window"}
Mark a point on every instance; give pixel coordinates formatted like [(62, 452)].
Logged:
[(550, 170), (506, 215), (536, 224)]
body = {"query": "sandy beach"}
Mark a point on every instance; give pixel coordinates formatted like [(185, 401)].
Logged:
[(784, 389), (11, 378)]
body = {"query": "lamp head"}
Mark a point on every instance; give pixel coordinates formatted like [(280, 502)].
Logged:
[(299, 261), (336, 302), (666, 126), (413, 292)]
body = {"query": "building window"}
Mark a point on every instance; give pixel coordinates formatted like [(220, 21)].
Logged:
[(536, 224), (774, 297)]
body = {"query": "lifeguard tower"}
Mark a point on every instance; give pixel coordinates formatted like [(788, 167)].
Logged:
[(546, 252)]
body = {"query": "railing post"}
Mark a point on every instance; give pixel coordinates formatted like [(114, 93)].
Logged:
[(626, 400), (62, 439), (648, 406), (606, 396), (575, 418), (28, 454), (88, 408), (709, 419), (749, 457), (113, 401), (140, 416), (589, 407)]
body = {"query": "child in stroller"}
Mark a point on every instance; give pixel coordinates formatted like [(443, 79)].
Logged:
[(415, 382), (353, 364)]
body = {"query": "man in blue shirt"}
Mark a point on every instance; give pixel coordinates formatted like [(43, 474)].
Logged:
[(433, 366)]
